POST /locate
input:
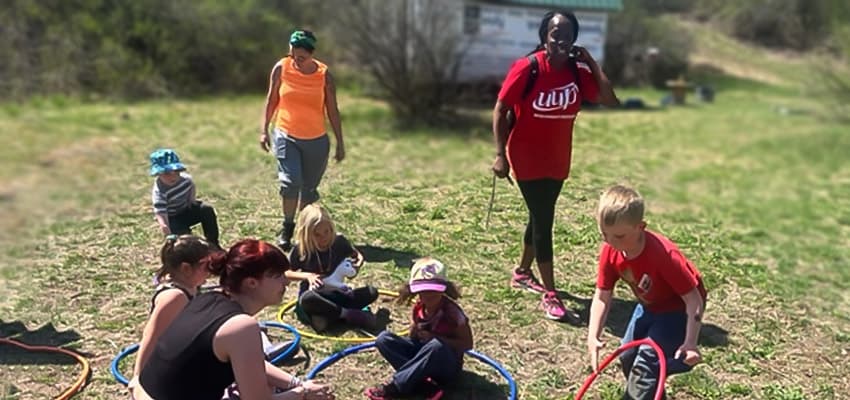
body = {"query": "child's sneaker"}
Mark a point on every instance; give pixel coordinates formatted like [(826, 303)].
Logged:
[(553, 307), (359, 318), (431, 390), (525, 280), (387, 391)]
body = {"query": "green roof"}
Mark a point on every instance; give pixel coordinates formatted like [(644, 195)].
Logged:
[(608, 5)]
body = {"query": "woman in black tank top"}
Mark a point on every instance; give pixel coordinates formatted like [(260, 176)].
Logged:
[(215, 340)]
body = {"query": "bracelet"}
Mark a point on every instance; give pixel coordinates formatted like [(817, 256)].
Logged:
[(294, 382)]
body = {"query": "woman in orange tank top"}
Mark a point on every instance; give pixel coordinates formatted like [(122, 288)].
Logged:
[(301, 92)]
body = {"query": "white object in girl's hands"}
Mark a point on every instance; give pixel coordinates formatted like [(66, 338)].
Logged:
[(336, 280)]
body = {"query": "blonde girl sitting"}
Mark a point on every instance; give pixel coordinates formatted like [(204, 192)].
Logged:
[(318, 252)]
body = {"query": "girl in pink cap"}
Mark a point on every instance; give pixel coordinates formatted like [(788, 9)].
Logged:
[(432, 355)]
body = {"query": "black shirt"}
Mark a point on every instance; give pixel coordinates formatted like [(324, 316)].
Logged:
[(183, 364), (321, 262)]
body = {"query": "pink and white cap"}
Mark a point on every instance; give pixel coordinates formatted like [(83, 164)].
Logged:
[(428, 274)]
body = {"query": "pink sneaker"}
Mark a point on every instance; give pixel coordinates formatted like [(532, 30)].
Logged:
[(432, 390), (553, 307), (387, 391), (525, 280)]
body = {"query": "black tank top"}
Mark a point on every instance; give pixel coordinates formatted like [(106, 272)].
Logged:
[(167, 286), (183, 364)]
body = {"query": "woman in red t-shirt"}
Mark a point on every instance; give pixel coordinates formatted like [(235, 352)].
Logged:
[(539, 144)]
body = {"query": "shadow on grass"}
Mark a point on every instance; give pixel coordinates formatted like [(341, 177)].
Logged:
[(46, 335), (710, 335), (473, 386), (401, 259)]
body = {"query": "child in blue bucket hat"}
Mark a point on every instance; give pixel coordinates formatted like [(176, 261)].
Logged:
[(173, 195)]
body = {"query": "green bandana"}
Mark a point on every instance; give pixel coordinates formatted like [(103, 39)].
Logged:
[(300, 39)]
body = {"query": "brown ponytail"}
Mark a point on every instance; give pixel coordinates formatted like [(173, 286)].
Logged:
[(178, 250)]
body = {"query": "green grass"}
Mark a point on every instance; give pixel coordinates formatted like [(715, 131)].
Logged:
[(758, 199)]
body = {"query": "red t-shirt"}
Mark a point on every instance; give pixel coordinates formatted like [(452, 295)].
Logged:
[(540, 144), (659, 276)]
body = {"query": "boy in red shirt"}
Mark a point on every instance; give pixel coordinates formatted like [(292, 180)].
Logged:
[(669, 289)]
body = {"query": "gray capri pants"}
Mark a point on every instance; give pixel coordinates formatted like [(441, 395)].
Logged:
[(300, 165)]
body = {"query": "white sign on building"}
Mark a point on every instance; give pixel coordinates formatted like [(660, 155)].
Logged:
[(497, 35)]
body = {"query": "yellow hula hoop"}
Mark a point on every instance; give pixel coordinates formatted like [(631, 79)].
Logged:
[(310, 335)]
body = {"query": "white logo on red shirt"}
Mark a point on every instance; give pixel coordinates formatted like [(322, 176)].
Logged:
[(556, 99), (645, 283)]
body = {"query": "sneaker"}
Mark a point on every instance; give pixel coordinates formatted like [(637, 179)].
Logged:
[(360, 318), (526, 280), (387, 391), (431, 390), (553, 307)]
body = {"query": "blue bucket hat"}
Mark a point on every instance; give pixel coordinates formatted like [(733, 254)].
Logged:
[(165, 160)]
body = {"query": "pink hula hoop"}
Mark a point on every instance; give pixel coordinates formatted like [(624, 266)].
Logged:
[(662, 362)]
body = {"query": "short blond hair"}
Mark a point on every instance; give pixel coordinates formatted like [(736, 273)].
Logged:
[(619, 203)]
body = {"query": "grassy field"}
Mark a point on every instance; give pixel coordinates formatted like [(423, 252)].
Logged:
[(753, 187)]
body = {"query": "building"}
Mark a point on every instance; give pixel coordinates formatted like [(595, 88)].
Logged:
[(495, 33)]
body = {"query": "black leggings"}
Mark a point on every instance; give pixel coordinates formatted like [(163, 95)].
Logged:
[(197, 212), (330, 305), (540, 196)]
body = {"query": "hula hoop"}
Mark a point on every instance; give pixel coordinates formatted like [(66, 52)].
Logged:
[(113, 366), (333, 358), (662, 361), (310, 335), (292, 348), (78, 383), (120, 378)]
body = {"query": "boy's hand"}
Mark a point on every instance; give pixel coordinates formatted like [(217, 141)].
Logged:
[(690, 353), (165, 230), (593, 346)]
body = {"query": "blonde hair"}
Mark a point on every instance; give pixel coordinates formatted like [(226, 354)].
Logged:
[(309, 218), (619, 203)]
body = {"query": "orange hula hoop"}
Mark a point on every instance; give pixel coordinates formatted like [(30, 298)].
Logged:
[(84, 374)]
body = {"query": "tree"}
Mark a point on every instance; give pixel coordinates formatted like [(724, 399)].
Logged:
[(409, 47)]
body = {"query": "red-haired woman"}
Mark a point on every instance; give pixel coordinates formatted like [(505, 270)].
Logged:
[(216, 341)]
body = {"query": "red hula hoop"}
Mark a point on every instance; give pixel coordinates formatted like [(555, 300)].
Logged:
[(662, 361)]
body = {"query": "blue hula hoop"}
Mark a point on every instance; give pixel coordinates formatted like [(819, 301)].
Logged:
[(333, 358), (114, 366), (292, 348)]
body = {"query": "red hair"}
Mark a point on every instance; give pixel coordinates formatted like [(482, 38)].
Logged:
[(247, 258)]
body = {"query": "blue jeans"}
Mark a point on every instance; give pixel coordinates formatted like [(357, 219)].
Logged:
[(414, 361), (640, 365)]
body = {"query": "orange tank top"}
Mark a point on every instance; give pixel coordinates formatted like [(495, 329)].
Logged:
[(301, 105)]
